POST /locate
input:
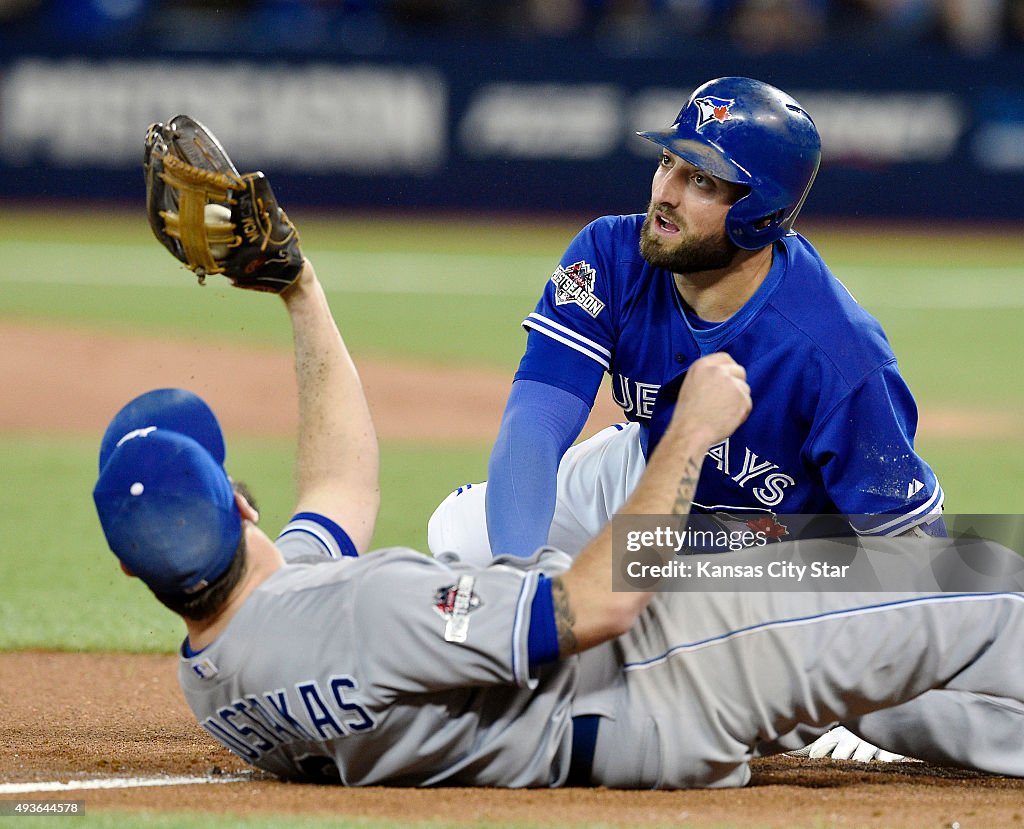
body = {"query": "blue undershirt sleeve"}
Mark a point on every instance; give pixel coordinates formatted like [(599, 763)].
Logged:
[(542, 643), (539, 424)]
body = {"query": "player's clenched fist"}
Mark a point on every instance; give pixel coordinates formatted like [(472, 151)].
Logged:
[(714, 399)]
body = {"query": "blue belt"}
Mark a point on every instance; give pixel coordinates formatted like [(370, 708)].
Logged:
[(584, 739)]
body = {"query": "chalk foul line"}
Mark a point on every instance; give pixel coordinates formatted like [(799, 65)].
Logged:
[(117, 783)]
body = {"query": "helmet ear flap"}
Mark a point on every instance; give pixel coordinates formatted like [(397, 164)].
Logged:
[(753, 234), (770, 219), (752, 224)]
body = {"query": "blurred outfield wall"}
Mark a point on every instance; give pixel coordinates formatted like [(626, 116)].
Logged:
[(908, 133)]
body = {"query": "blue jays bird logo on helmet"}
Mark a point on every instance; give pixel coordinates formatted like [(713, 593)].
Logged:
[(710, 108)]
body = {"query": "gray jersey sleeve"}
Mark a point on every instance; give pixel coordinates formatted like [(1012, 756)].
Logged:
[(436, 627), (310, 537), (415, 624)]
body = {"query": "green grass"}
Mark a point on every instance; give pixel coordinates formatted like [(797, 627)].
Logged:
[(978, 476), (951, 306), (437, 291), (397, 289)]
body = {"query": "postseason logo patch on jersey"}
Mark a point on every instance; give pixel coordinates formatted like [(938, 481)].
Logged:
[(454, 603), (576, 284)]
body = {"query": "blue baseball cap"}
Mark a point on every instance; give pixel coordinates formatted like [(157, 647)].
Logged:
[(168, 511), (176, 409)]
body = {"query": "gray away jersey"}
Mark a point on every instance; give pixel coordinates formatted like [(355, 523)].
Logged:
[(400, 669), (393, 668)]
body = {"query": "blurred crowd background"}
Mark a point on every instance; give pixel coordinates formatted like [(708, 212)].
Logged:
[(971, 27)]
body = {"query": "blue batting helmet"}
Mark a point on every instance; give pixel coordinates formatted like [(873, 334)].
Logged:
[(747, 132)]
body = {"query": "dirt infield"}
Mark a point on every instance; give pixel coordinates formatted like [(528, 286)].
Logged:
[(50, 375), (74, 717), (87, 717)]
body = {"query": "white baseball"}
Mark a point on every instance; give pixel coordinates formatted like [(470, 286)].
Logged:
[(216, 215)]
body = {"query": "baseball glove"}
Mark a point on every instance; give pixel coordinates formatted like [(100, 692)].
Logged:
[(211, 217)]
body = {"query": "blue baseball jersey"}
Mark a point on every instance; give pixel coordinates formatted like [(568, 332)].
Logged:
[(833, 424)]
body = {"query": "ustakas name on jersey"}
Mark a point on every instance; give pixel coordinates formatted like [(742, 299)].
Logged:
[(254, 725)]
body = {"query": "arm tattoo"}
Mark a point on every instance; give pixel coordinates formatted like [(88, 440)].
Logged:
[(565, 618), (687, 486)]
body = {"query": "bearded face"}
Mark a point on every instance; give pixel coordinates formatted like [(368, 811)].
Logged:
[(665, 243)]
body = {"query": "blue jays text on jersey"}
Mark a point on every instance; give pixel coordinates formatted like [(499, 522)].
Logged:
[(833, 424)]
